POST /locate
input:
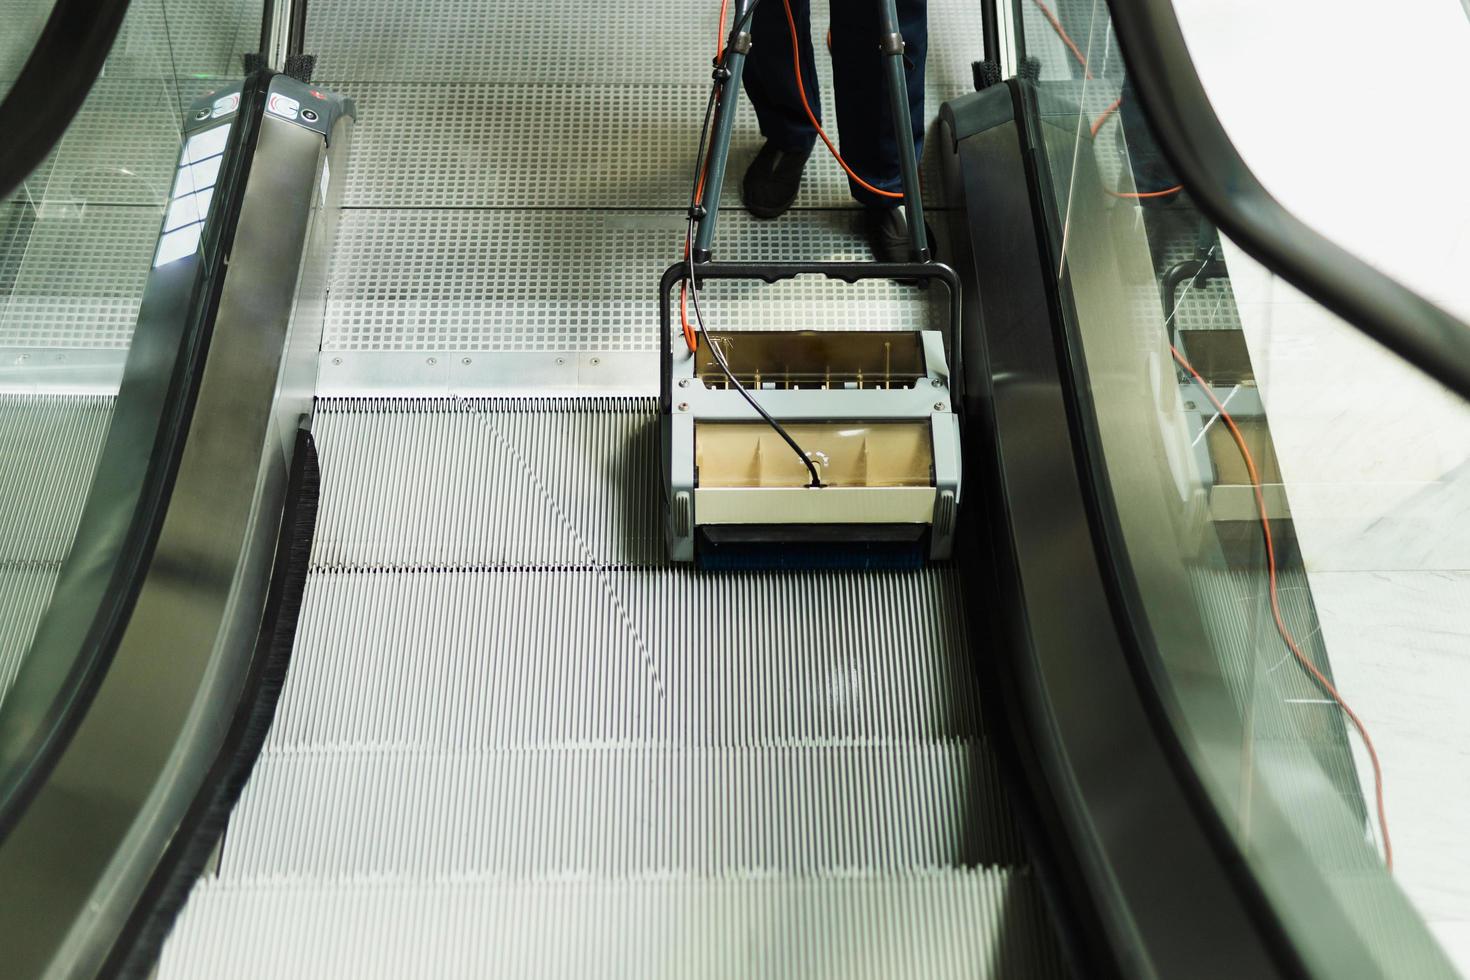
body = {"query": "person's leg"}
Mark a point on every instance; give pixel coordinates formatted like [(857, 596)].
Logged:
[(864, 122), (770, 79), (774, 176)]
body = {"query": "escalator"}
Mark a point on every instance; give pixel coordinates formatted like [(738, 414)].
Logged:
[(406, 683), (506, 708)]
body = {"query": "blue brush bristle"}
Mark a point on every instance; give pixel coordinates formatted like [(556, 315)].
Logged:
[(870, 556)]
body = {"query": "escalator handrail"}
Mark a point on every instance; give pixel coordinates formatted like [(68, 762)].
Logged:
[(54, 83), (1220, 183)]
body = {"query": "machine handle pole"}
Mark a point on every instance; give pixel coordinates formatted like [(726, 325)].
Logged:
[(728, 74), (891, 46)]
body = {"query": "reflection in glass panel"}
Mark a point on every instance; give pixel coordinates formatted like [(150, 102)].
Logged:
[(77, 241), (23, 20), (1285, 494)]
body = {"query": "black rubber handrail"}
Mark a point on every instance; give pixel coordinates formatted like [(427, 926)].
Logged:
[(55, 81), (1224, 188)]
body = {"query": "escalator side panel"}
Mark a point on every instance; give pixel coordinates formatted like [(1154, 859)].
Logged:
[(1080, 720)]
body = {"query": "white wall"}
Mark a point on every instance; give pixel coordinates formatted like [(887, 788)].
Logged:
[(1356, 116)]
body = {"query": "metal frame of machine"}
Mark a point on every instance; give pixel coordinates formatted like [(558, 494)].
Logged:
[(865, 515), (931, 398)]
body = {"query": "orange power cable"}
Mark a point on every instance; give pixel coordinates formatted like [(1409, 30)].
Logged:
[(1107, 113), (812, 116), (720, 41), (1143, 195), (1098, 122), (1281, 627), (1056, 25)]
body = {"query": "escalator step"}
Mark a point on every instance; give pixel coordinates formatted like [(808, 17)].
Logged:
[(480, 658), (620, 810), (501, 481), (509, 717), (987, 923)]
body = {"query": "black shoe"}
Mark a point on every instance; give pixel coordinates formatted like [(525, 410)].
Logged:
[(772, 180), (888, 233)]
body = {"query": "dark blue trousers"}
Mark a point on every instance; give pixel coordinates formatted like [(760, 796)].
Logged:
[(864, 123)]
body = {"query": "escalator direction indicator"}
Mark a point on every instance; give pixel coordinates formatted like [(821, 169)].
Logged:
[(283, 106)]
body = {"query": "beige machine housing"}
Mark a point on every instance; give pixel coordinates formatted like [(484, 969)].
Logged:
[(872, 410)]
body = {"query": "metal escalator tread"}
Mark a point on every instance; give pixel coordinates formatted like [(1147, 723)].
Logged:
[(620, 810), (985, 923), (524, 745), (487, 482)]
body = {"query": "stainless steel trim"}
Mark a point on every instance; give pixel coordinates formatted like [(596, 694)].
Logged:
[(1007, 23), (61, 371), (278, 42), (484, 373)]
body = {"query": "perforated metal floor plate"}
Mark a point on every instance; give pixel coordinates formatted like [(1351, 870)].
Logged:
[(81, 279), (661, 42), (75, 277), (1200, 304), (123, 145), (552, 145), (85, 223), (25, 20), (573, 280), (509, 110), (188, 39)]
